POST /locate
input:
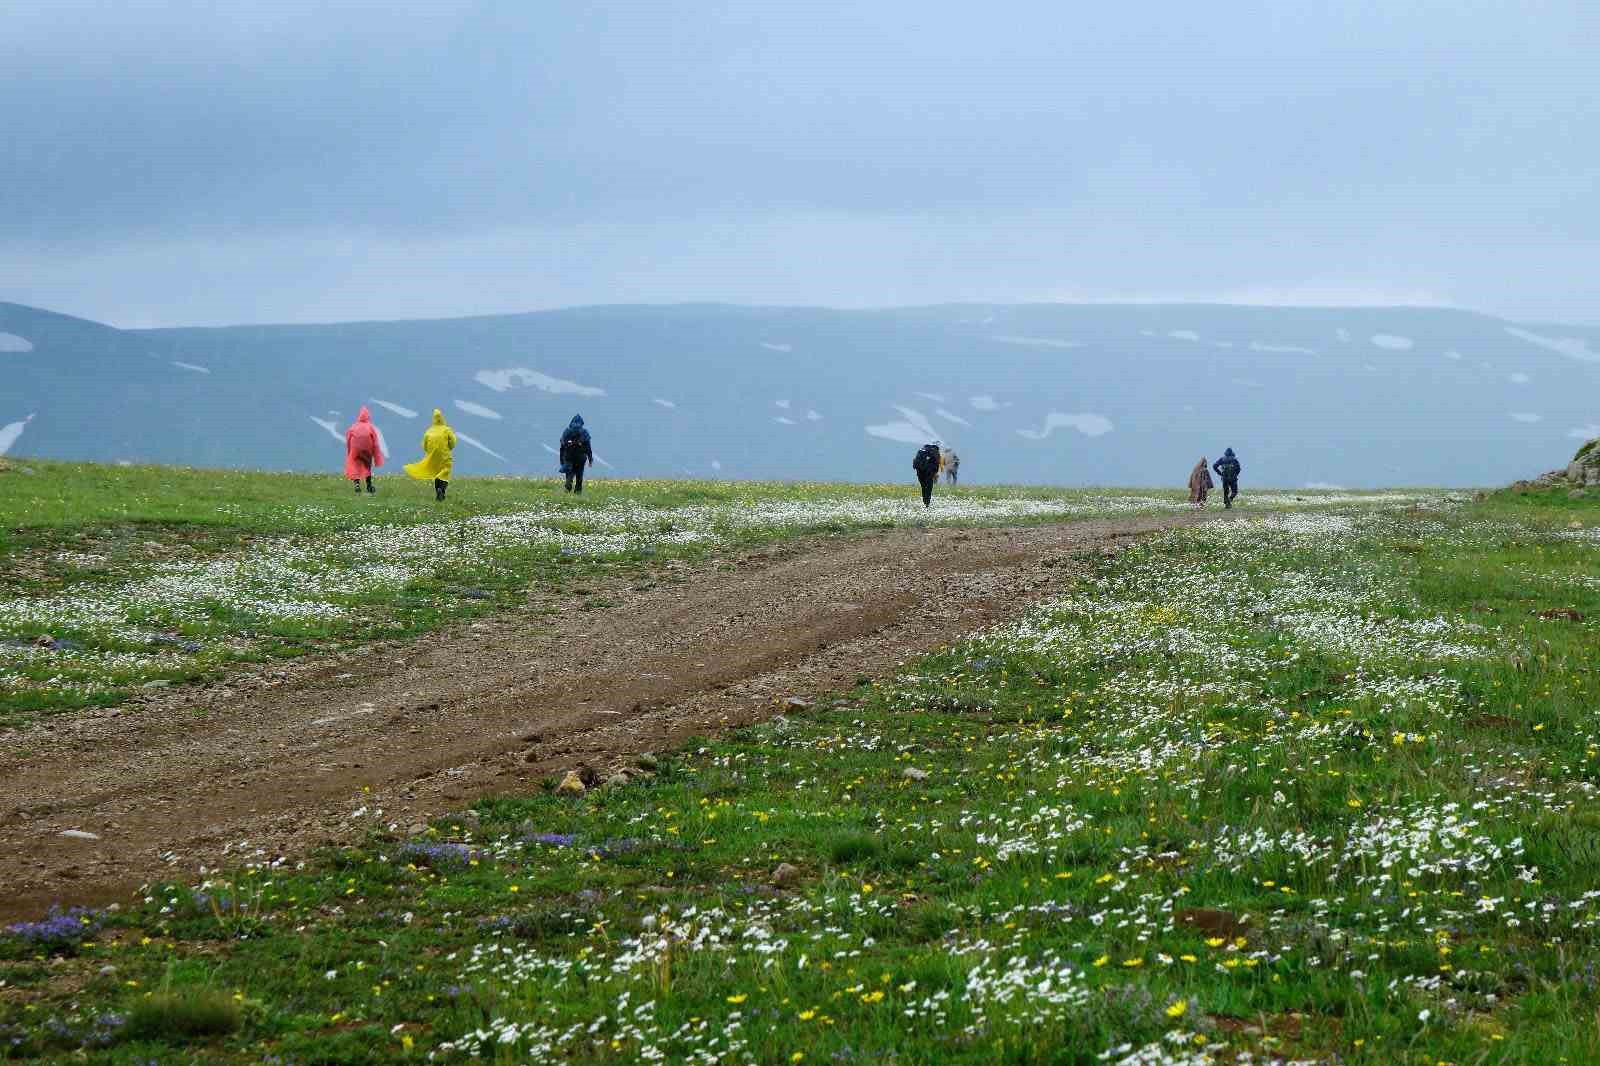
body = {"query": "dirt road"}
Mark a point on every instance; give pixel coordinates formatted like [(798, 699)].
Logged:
[(279, 758)]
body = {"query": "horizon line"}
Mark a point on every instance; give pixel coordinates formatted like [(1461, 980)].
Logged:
[(1130, 302)]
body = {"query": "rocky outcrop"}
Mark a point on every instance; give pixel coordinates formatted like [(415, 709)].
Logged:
[(1585, 466), (1582, 472)]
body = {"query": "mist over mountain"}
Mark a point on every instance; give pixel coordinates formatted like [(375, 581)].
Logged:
[(1056, 394)]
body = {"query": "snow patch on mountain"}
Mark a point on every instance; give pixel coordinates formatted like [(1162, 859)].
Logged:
[(1525, 416), (659, 402), (1588, 432), (477, 409), (478, 444), (950, 416), (1393, 342), (772, 347), (330, 425), (1288, 349), (403, 412), (10, 342), (1090, 425), (1571, 347), (1183, 334), (1035, 342), (11, 432), (986, 403), (522, 377), (913, 429), (196, 367), (1519, 378)]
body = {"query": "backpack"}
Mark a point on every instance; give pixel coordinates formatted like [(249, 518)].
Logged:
[(927, 460), (1228, 468), (571, 444)]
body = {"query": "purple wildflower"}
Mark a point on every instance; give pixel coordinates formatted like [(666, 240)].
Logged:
[(555, 840), (439, 856), (58, 930)]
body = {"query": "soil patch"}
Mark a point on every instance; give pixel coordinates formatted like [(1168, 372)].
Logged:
[(275, 761)]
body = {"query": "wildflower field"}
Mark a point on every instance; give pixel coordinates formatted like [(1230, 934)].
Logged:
[(118, 578), (1317, 785)]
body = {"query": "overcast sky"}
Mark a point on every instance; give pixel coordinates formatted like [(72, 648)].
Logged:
[(168, 162)]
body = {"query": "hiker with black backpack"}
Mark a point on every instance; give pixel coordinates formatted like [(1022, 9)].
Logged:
[(1227, 469), (927, 464), (576, 452)]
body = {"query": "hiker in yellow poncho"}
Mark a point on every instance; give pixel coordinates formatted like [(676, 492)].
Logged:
[(437, 444)]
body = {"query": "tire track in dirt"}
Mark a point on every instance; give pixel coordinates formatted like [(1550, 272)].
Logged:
[(279, 758)]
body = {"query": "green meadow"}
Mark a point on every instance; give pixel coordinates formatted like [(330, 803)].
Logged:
[(1317, 785)]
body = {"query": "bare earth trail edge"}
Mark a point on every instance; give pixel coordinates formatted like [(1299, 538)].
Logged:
[(280, 758)]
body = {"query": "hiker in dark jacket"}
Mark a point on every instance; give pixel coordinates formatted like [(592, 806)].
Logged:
[(1227, 469), (576, 453), (927, 464)]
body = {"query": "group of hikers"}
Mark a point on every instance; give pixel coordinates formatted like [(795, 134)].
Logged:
[(931, 461), (363, 453), (1200, 483)]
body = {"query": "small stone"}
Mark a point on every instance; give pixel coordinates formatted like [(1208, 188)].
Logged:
[(571, 785), (470, 819), (417, 830), (46, 641), (1577, 494), (1213, 921), (616, 780), (911, 773), (107, 971), (797, 702), (79, 834), (786, 875), (647, 761), (158, 683)]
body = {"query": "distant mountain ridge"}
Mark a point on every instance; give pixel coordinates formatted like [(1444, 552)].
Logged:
[(1045, 393)]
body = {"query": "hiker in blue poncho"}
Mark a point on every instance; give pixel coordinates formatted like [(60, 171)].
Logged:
[(1227, 469), (576, 452)]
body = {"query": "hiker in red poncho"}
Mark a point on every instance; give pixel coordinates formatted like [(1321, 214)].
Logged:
[(363, 450)]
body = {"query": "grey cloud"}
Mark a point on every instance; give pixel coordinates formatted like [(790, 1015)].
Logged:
[(538, 153)]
